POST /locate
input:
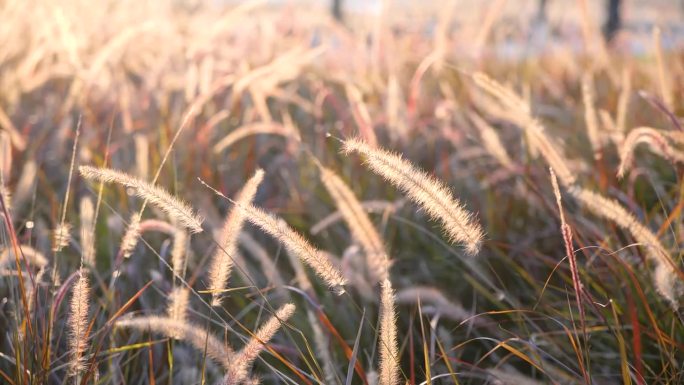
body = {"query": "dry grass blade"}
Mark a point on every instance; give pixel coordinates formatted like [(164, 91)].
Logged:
[(6, 124), (174, 207), (142, 156), (157, 225), (361, 114), (321, 342), (26, 182), (360, 225), (428, 192), (5, 159)]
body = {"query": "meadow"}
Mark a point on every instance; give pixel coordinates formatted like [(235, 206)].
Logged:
[(250, 193)]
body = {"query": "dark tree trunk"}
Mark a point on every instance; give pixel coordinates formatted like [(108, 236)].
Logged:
[(541, 11), (613, 19), (337, 9)]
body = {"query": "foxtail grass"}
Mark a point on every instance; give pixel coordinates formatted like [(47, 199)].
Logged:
[(87, 211), (432, 297), (590, 115), (244, 359), (359, 224), (157, 196), (222, 260), (656, 140), (178, 304), (429, 193), (130, 238), (179, 252), (78, 323), (388, 346), (296, 245), (666, 281), (202, 340)]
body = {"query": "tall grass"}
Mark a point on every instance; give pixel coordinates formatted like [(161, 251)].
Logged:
[(359, 271)]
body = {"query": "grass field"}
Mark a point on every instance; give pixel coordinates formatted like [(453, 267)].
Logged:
[(210, 193)]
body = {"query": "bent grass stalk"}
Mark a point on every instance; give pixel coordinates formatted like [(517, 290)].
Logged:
[(656, 140)]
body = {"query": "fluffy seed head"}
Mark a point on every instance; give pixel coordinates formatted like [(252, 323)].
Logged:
[(387, 343), (654, 250), (178, 303), (519, 112), (296, 245), (656, 140), (61, 236), (360, 225), (33, 256), (428, 192), (244, 359), (78, 322), (130, 238), (179, 251), (222, 261), (668, 284), (429, 295), (195, 335), (175, 208), (88, 231), (491, 141)]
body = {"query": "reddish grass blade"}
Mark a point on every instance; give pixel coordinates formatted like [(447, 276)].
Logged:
[(347, 350)]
